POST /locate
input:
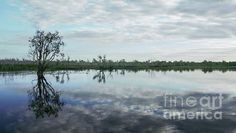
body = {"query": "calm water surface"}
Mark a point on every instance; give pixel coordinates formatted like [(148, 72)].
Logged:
[(111, 102)]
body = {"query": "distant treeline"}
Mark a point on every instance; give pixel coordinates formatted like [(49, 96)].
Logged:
[(103, 63)]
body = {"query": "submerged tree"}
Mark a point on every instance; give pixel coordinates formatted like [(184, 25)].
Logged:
[(44, 48)]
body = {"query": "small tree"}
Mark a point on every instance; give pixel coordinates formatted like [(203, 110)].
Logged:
[(44, 48)]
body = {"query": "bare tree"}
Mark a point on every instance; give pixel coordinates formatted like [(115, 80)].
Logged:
[(44, 48)]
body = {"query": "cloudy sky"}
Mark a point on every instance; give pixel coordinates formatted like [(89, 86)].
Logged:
[(132, 29)]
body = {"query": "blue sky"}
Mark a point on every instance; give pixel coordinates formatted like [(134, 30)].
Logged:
[(192, 30)]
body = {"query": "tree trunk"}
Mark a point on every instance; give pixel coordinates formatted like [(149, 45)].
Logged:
[(41, 69)]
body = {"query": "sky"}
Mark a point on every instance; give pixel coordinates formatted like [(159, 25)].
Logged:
[(190, 30)]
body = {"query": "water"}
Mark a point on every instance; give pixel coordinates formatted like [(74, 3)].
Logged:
[(114, 102)]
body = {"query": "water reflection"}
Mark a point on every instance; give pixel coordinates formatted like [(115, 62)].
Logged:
[(101, 76), (106, 101), (44, 99), (61, 76)]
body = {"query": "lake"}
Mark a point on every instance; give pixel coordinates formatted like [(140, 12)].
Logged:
[(118, 102)]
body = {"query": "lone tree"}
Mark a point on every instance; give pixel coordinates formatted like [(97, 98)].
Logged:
[(44, 48)]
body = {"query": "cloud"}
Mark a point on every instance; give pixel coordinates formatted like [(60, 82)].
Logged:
[(47, 13), (200, 24), (208, 8), (188, 18)]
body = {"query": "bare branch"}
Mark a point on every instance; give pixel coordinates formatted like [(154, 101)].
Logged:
[(45, 47)]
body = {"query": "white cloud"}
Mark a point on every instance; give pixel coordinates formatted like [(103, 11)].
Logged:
[(44, 13), (124, 21), (186, 18)]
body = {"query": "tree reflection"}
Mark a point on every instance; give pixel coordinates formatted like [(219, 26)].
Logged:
[(44, 99), (61, 76), (100, 76)]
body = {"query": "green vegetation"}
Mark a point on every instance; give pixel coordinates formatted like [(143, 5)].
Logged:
[(103, 64)]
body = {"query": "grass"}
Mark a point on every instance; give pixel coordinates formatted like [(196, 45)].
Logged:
[(116, 65)]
